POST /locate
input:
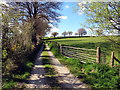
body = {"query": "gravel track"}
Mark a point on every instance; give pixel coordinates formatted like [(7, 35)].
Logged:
[(65, 78)]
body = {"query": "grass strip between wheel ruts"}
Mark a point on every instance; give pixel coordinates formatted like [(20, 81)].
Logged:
[(50, 73)]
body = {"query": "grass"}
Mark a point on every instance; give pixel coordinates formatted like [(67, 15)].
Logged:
[(18, 77), (49, 70), (9, 85), (94, 75), (92, 43)]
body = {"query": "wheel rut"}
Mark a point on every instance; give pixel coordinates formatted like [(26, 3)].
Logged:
[(37, 78), (63, 76)]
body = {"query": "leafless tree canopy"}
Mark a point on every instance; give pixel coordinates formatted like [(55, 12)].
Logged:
[(40, 14), (64, 33), (81, 32), (54, 34)]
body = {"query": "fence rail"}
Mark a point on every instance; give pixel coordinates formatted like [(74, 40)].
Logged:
[(78, 48), (85, 55)]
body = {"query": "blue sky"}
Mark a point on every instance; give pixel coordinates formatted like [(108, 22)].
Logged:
[(70, 19)]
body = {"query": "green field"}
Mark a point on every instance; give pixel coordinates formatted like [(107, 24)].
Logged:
[(92, 43), (93, 74)]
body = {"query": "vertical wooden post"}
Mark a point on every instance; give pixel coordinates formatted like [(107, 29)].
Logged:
[(98, 54), (60, 48), (57, 44), (112, 59)]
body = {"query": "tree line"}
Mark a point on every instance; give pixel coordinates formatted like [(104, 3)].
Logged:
[(80, 32)]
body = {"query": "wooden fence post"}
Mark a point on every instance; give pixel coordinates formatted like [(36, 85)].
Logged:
[(60, 48), (98, 54), (112, 59)]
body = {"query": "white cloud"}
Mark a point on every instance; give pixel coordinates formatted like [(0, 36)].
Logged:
[(67, 6), (54, 29), (63, 17), (51, 21)]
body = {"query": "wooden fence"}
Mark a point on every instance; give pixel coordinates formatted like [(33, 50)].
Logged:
[(113, 59), (85, 55)]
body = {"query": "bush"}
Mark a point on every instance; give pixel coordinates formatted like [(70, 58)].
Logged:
[(8, 85), (17, 67)]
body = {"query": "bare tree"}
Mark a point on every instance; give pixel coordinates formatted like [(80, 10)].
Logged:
[(81, 32), (69, 33), (54, 34), (39, 14), (64, 33), (76, 33)]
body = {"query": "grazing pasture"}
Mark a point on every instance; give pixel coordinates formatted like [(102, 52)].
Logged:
[(92, 43), (93, 74)]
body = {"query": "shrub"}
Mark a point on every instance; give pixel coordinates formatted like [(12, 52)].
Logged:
[(8, 85)]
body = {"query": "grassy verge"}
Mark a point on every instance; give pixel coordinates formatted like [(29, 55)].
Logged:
[(18, 77), (95, 75), (49, 70)]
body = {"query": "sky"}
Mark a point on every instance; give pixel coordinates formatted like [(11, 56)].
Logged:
[(70, 19)]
